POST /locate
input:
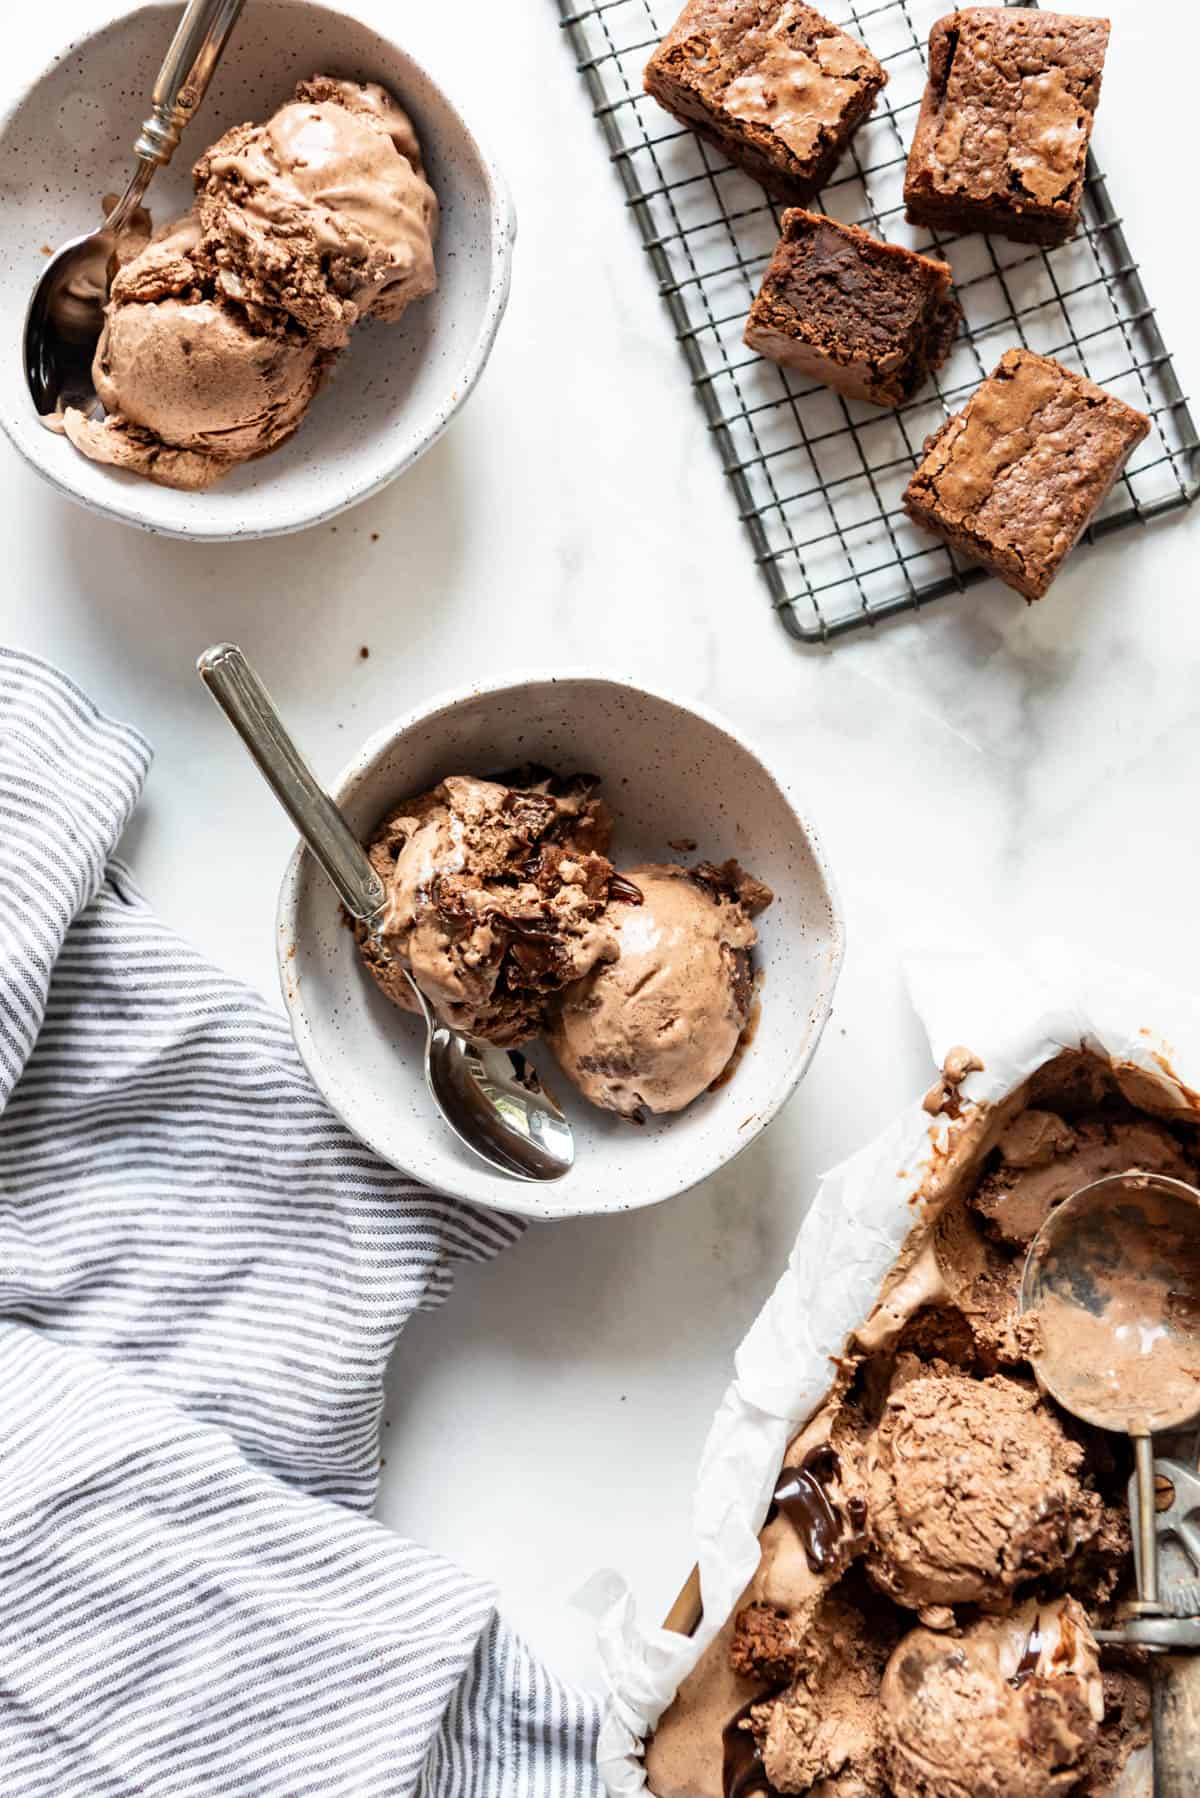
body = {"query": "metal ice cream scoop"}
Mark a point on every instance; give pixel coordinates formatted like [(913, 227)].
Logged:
[(490, 1097), (1113, 1281), (66, 311)]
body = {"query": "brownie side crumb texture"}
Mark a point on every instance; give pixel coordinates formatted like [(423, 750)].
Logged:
[(869, 319), (772, 83), (1013, 480), (1002, 137)]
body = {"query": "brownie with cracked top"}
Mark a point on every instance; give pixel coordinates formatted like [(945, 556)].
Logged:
[(869, 319), (771, 82), (1013, 480), (1002, 137)]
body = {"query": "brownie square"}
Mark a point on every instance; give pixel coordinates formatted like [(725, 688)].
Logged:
[(1013, 479), (1002, 137), (774, 85), (869, 319)]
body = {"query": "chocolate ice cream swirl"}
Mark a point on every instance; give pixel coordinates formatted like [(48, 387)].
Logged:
[(980, 1499)]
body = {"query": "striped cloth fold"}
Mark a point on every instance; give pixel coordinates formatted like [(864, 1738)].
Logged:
[(202, 1275)]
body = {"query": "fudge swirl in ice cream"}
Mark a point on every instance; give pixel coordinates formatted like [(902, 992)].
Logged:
[(1011, 1708)]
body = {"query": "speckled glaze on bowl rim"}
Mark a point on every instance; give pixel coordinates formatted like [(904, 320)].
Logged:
[(460, 381), (464, 1176)]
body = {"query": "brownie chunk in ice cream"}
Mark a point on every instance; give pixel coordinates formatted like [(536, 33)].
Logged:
[(823, 1733), (497, 898), (772, 83), (219, 333), (654, 1026)]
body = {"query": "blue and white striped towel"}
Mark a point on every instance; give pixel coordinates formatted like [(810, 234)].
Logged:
[(201, 1277)]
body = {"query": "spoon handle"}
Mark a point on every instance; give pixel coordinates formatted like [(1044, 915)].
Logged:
[(249, 708), (183, 79), (1176, 1687)]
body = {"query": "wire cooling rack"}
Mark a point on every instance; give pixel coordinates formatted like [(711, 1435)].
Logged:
[(819, 479)]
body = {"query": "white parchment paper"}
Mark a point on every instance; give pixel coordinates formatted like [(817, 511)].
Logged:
[(1015, 1018)]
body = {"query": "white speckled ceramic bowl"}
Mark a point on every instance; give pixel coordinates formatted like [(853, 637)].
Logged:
[(68, 140), (669, 771)]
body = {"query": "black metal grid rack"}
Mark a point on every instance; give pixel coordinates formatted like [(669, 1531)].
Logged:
[(818, 479)]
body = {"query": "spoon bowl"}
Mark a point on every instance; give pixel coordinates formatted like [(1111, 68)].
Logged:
[(66, 315), (1113, 1279), (65, 142), (474, 1082), (678, 778), (490, 1098), (66, 309)]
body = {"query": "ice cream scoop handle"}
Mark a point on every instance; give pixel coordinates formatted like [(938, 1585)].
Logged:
[(1147, 1528), (185, 74), (1176, 1725), (249, 708)]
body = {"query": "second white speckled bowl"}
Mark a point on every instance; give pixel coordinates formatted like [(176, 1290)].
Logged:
[(670, 771), (68, 140)]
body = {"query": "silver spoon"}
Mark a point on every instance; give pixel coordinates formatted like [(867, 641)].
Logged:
[(1113, 1281), (490, 1097), (66, 311)]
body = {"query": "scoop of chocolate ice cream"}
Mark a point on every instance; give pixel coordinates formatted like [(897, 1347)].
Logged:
[(189, 385), (823, 1733), (496, 899), (323, 212), (653, 1028), (1010, 1709), (973, 1489)]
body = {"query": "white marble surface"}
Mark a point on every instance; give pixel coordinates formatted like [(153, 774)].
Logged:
[(1031, 769)]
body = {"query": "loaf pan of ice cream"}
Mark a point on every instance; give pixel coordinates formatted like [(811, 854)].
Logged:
[(849, 1624)]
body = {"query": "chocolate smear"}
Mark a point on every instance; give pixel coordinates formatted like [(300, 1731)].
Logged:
[(741, 1760), (619, 888), (801, 1495)]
